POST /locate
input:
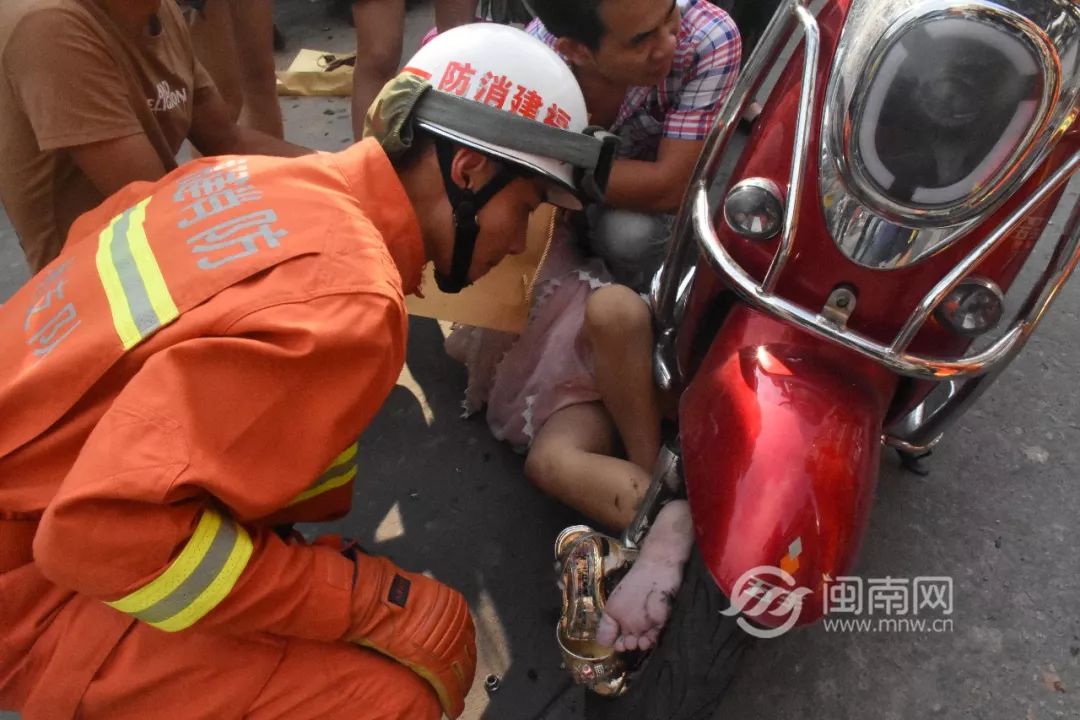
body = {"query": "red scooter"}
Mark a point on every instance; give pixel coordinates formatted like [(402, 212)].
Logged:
[(840, 289)]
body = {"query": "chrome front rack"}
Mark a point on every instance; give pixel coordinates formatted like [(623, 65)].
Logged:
[(695, 236)]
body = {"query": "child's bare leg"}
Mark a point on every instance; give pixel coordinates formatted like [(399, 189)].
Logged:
[(571, 461), (641, 603), (619, 327)]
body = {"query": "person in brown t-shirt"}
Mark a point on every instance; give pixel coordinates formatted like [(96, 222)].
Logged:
[(95, 94)]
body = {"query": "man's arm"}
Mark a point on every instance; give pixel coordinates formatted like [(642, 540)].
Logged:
[(112, 164), (654, 187), (213, 132)]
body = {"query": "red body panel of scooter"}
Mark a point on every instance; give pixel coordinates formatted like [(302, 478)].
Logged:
[(781, 436)]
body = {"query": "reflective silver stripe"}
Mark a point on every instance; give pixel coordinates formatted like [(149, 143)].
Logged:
[(205, 573), (138, 299)]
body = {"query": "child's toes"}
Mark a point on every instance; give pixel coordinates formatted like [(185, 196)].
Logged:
[(608, 631)]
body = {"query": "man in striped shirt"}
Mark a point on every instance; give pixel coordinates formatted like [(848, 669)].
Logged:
[(655, 73)]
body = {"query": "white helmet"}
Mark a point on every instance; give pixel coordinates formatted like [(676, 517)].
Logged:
[(504, 93), (510, 70)]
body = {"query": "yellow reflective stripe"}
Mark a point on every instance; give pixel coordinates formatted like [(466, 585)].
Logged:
[(341, 471), (349, 454), (149, 270), (184, 564), (123, 320), (217, 591), (200, 577), (334, 481), (138, 296)]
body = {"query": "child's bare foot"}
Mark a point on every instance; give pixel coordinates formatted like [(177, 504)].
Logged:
[(640, 605)]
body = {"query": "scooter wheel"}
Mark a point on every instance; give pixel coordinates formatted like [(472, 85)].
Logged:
[(690, 670)]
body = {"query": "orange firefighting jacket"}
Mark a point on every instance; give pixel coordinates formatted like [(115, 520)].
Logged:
[(185, 375)]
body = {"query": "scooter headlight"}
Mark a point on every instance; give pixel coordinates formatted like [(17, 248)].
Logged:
[(754, 208), (950, 101), (936, 112)]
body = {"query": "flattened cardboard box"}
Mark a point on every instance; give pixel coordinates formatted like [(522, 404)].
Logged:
[(500, 300), (314, 72)]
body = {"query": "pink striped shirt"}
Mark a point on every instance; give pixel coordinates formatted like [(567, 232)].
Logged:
[(685, 105)]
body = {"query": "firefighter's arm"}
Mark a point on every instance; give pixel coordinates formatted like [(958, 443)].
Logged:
[(154, 516)]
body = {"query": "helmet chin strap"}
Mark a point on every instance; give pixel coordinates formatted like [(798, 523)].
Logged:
[(465, 204)]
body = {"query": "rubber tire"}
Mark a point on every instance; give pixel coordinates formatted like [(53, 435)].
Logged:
[(690, 671)]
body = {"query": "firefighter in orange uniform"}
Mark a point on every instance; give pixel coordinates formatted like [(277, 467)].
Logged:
[(185, 376)]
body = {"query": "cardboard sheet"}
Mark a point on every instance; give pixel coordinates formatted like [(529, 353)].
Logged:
[(315, 72), (500, 300)]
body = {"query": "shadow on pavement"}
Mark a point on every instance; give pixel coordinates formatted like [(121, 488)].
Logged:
[(438, 493)]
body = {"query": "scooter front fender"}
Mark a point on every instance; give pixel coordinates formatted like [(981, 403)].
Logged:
[(781, 436)]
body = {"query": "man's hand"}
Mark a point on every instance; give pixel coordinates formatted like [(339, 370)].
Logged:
[(213, 132), (420, 623)]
